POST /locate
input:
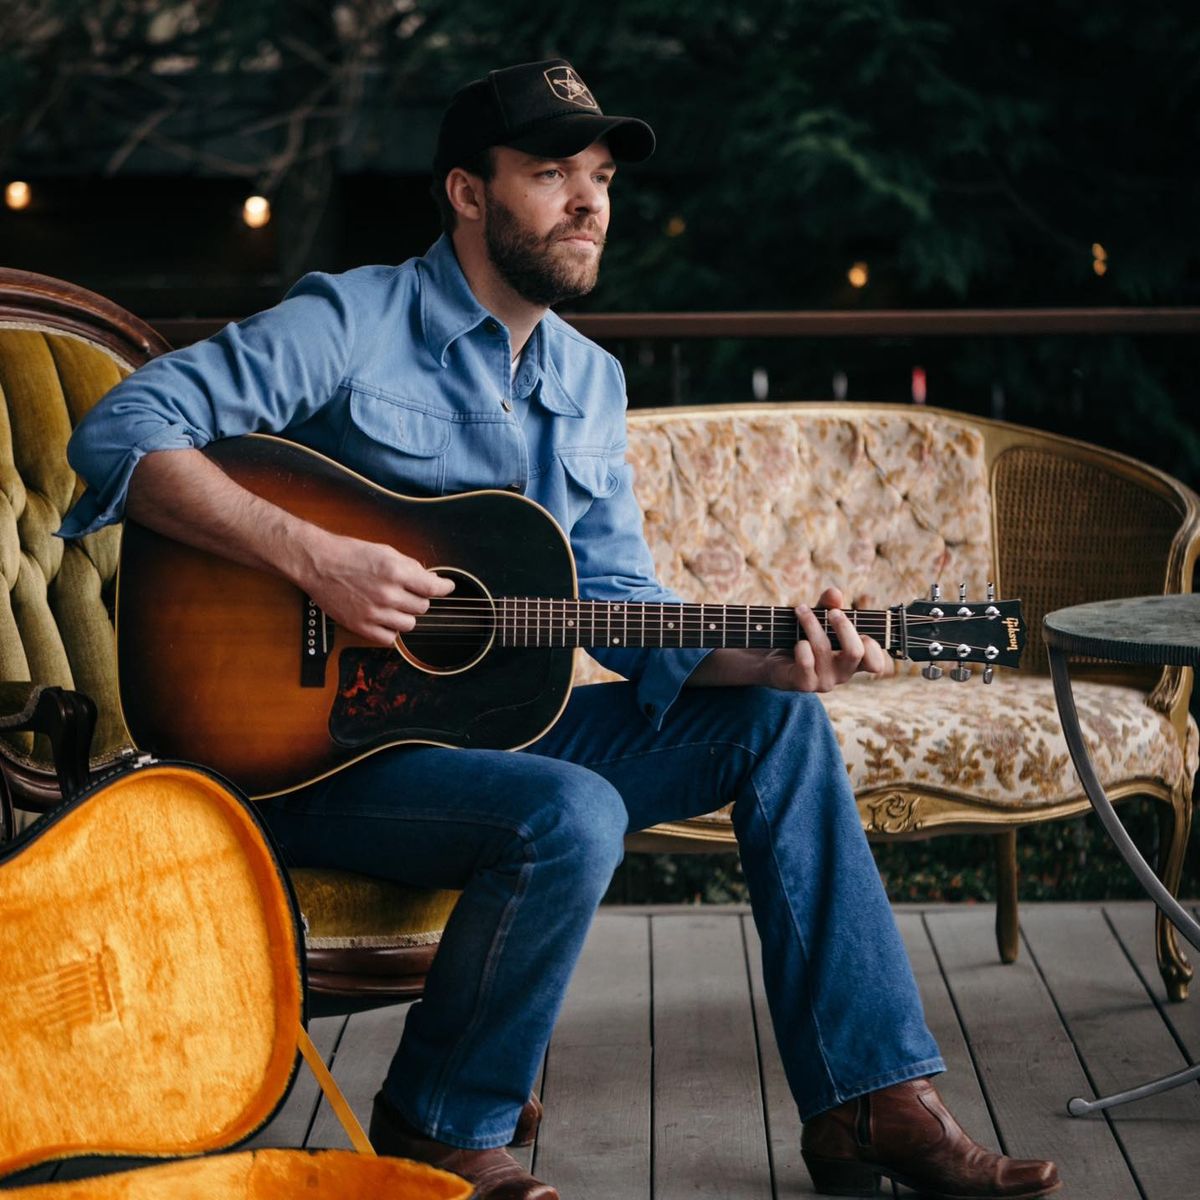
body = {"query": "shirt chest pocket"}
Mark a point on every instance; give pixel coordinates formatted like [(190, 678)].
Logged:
[(586, 478), (398, 446)]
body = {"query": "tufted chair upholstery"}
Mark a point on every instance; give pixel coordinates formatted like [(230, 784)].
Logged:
[(769, 505), (61, 349)]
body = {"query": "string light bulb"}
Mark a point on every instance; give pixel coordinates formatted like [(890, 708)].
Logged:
[(1099, 259), (17, 195), (256, 211), (858, 275)]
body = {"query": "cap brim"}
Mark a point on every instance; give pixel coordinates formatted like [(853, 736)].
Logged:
[(629, 139)]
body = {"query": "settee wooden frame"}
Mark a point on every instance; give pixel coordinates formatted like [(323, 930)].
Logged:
[(1021, 463)]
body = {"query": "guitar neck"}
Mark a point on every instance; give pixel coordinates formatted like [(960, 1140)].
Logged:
[(533, 621)]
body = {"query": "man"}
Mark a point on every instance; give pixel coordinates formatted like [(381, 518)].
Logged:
[(449, 373)]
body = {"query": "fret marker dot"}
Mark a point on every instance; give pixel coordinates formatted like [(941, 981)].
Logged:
[(758, 628), (616, 641), (670, 624), (570, 622), (712, 625)]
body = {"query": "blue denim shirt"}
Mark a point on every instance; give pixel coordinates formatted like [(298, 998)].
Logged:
[(402, 375)]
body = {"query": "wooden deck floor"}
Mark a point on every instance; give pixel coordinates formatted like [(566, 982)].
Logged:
[(662, 1079)]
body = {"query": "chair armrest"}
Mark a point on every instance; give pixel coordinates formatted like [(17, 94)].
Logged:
[(68, 720)]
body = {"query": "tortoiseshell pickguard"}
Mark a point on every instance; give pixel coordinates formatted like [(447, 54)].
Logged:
[(381, 698)]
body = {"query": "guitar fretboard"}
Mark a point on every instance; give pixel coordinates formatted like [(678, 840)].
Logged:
[(538, 621)]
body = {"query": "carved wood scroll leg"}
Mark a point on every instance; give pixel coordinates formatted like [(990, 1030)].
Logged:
[(1174, 825)]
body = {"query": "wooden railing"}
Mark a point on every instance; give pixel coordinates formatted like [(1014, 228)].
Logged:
[(898, 323)]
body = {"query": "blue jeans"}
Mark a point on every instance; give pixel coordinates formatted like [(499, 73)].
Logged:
[(532, 839)]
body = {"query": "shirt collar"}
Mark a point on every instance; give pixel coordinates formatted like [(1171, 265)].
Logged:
[(448, 306), (449, 309)]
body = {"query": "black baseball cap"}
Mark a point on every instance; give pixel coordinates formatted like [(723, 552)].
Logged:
[(543, 108)]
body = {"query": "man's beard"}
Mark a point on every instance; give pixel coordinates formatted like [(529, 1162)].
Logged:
[(541, 269)]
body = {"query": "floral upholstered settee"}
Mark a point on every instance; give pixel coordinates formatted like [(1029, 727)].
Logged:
[(768, 505)]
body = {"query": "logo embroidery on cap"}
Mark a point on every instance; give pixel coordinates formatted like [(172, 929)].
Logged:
[(566, 85)]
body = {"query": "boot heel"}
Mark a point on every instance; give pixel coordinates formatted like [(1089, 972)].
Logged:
[(832, 1178)]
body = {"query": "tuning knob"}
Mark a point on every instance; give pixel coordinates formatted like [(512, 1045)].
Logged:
[(961, 673), (931, 671), (989, 673)]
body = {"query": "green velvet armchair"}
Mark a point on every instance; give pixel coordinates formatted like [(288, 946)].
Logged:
[(61, 349)]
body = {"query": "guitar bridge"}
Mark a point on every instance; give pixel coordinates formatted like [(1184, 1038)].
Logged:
[(316, 639)]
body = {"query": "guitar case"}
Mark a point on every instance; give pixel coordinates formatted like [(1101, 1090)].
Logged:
[(152, 994)]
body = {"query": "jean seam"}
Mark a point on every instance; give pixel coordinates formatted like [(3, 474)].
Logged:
[(812, 1008), (487, 978)]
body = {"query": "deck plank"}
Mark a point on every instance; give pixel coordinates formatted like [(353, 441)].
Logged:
[(709, 1132), (1025, 1057), (291, 1123), (789, 1176), (1122, 1040), (363, 1054), (1133, 921), (960, 1086), (595, 1139)]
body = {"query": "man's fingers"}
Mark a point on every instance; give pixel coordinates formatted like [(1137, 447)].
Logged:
[(850, 644), (822, 668), (875, 658), (806, 667), (832, 597)]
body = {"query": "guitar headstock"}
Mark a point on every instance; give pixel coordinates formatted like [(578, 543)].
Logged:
[(955, 633)]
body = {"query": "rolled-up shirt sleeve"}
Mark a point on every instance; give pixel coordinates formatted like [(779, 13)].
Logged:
[(614, 563), (261, 374)]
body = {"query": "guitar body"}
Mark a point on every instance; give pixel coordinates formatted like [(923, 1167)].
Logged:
[(225, 665)]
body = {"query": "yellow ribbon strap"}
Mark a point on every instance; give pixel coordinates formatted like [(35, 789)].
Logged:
[(333, 1093)]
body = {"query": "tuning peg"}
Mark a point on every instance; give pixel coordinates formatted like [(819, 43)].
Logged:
[(991, 591), (961, 673), (931, 671), (935, 592), (962, 592), (989, 673)]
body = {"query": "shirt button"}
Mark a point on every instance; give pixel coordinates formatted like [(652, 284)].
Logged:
[(506, 405), (491, 326)]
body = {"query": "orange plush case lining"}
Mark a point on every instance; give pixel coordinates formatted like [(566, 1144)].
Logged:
[(150, 975), (266, 1175)]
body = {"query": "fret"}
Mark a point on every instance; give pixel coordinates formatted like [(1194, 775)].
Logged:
[(642, 608), (701, 622), (772, 625), (503, 627), (625, 624), (578, 622), (747, 627), (724, 625)]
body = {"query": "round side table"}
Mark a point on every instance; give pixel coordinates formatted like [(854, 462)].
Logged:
[(1145, 631)]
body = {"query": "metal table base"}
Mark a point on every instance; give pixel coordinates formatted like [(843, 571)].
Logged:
[(1183, 921)]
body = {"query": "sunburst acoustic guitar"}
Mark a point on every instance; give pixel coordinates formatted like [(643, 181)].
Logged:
[(237, 669)]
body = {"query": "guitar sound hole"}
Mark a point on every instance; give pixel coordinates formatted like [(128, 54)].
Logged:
[(456, 631)]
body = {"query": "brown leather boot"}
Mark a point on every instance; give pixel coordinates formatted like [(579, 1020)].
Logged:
[(907, 1134), (495, 1173), (527, 1123)]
